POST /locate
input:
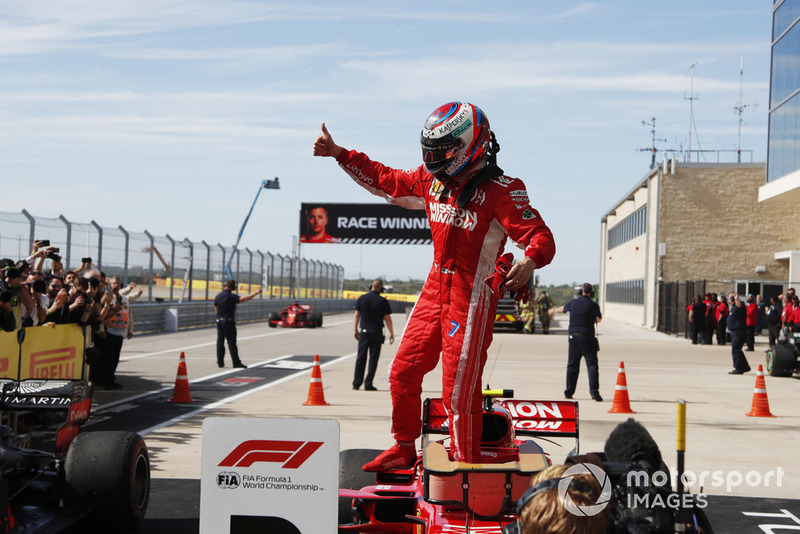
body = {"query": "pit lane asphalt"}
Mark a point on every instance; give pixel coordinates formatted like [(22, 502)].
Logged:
[(660, 370)]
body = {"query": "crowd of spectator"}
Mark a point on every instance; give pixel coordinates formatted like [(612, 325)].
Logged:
[(708, 316), (31, 295)]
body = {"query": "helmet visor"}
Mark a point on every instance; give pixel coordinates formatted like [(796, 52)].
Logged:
[(438, 155)]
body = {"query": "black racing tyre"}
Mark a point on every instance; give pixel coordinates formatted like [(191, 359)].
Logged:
[(311, 317), (781, 360), (699, 518), (273, 317), (351, 476), (319, 319), (109, 471)]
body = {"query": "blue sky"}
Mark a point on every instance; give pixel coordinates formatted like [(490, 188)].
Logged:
[(166, 115)]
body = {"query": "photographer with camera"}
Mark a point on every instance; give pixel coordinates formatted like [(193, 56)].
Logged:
[(15, 293), (42, 251), (54, 285), (77, 308), (8, 322)]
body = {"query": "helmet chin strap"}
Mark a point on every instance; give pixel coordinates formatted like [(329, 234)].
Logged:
[(489, 171), (473, 178)]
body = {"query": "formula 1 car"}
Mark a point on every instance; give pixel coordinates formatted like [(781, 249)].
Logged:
[(90, 481), (297, 316), (438, 495), (782, 358)]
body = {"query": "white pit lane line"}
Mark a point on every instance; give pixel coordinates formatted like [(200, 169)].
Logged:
[(213, 343), (226, 400)]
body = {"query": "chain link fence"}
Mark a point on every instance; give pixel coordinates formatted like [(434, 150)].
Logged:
[(170, 270)]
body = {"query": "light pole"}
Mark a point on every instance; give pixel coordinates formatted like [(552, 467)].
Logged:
[(265, 184)]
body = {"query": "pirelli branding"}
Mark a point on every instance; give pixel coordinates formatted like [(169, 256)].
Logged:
[(45, 353), (57, 363)]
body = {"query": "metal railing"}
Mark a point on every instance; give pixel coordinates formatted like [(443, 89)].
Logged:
[(152, 318), (169, 269)]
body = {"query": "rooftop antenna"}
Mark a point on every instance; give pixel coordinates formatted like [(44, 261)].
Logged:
[(691, 98), (652, 147), (740, 108)]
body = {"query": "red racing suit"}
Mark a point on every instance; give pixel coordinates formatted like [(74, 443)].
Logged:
[(454, 314)]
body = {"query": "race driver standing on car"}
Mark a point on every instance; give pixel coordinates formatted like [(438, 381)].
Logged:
[(472, 208)]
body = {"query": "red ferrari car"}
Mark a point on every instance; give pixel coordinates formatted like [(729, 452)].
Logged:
[(296, 316), (438, 495)]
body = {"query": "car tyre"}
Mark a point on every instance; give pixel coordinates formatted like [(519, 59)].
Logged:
[(781, 360), (273, 316), (311, 317), (351, 476), (319, 319), (109, 471)]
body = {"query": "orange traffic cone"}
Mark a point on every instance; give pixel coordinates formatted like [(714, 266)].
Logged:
[(316, 397), (760, 407), (181, 391), (622, 403)]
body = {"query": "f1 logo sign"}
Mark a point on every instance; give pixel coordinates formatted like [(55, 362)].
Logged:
[(291, 453)]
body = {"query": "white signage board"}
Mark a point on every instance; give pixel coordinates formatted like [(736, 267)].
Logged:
[(266, 474)]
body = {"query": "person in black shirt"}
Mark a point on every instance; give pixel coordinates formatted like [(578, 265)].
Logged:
[(736, 324), (225, 308), (584, 313), (372, 310), (774, 319), (697, 320)]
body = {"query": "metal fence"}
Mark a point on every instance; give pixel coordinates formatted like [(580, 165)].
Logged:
[(169, 269), (150, 318), (675, 297)]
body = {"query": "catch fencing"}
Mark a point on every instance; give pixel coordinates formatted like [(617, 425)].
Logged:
[(168, 269)]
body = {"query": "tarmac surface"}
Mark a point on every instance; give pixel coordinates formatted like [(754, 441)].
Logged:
[(754, 458)]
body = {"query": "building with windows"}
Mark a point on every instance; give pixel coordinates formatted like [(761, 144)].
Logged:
[(782, 185), (698, 222), (713, 227)]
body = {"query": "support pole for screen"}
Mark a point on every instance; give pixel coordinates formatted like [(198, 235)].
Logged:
[(265, 184)]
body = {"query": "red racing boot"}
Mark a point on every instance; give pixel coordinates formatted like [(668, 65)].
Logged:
[(399, 455)]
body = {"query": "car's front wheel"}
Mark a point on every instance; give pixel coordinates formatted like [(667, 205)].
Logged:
[(351, 476), (109, 471)]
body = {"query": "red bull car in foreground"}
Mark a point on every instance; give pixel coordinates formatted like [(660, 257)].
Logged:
[(87, 481), (438, 495), (296, 316)]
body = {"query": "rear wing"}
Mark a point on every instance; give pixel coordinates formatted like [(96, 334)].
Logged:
[(557, 419), (43, 353), (531, 418), (44, 368)]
